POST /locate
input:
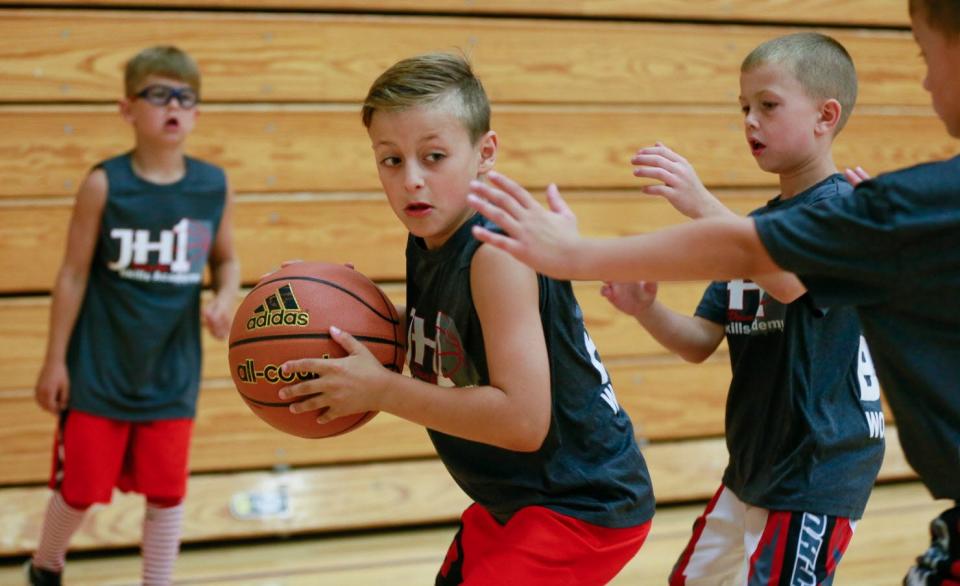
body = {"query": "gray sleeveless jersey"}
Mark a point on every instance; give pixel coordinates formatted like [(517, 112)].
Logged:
[(589, 466), (134, 353)]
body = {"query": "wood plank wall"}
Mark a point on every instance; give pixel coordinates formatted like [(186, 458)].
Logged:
[(577, 86)]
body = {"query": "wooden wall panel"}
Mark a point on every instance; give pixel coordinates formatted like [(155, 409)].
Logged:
[(78, 56), (362, 231), (45, 152), (847, 12)]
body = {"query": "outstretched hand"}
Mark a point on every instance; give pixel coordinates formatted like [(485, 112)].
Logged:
[(537, 237), (353, 384), (679, 183)]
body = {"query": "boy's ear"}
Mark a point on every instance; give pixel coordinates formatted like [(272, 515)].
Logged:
[(489, 143), (125, 106), (829, 116)]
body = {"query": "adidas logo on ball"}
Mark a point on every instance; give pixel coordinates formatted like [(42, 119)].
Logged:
[(279, 309)]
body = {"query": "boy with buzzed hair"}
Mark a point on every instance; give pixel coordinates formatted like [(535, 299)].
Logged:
[(891, 249), (804, 426), (122, 366), (505, 377)]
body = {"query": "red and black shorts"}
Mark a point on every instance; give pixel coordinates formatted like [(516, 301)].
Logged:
[(93, 455)]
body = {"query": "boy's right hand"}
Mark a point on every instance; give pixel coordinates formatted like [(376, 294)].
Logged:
[(680, 184), (630, 298), (53, 388)]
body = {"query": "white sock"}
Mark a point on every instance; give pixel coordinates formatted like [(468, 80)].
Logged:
[(161, 543), (59, 525)]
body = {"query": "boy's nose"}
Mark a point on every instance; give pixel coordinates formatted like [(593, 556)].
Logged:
[(413, 180)]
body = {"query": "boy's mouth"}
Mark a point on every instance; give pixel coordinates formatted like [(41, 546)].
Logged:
[(418, 209), (756, 147), (171, 123)]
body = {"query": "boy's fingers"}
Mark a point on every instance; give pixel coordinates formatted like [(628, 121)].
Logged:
[(496, 240), (498, 197), (651, 159), (656, 173), (513, 189), (319, 366), (556, 201), (495, 214), (346, 341)]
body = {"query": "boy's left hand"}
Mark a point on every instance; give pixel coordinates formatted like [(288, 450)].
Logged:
[(217, 315), (348, 385)]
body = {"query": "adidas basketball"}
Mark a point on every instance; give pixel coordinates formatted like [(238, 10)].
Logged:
[(287, 315)]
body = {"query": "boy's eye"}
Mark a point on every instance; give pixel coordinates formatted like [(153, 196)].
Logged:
[(390, 161), (434, 157), (769, 105), (745, 109), (161, 95)]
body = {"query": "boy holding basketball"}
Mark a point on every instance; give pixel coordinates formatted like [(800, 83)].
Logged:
[(122, 364), (891, 249), (804, 427), (505, 376)]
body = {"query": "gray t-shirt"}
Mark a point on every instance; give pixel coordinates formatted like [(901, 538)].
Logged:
[(804, 424), (892, 249)]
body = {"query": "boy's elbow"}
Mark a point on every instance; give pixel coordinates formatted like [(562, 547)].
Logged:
[(529, 437), (695, 357)]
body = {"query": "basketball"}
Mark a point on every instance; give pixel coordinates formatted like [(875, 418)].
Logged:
[(287, 316)]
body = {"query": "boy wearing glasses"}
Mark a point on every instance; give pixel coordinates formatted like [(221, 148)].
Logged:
[(122, 366)]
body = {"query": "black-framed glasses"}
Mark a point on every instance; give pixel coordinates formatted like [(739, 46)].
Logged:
[(160, 95)]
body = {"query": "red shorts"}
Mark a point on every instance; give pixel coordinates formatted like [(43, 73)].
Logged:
[(537, 546), (93, 454)]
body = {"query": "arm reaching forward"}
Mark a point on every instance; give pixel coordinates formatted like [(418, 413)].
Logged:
[(548, 241)]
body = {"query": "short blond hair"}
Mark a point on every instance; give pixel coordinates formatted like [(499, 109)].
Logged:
[(820, 63), (428, 79), (163, 60)]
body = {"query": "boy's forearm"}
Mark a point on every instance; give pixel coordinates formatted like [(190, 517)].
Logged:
[(226, 279), (709, 249), (64, 308), (481, 414), (783, 286), (691, 338)]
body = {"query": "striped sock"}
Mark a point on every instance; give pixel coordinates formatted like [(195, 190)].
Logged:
[(161, 543), (59, 525)]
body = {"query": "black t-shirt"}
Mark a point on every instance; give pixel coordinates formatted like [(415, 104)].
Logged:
[(892, 249), (804, 425), (589, 466)]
